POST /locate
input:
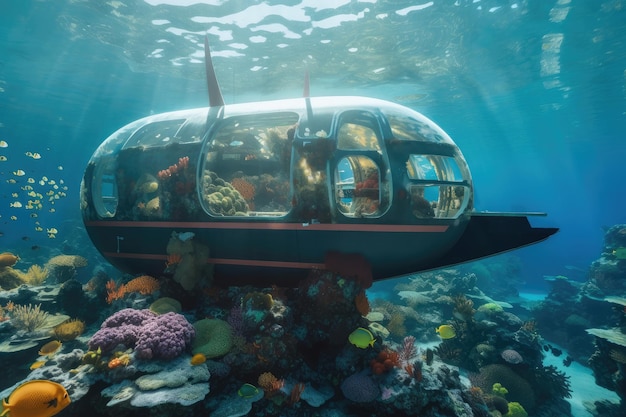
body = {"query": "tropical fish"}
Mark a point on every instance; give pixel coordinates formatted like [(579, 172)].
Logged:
[(50, 348), (446, 331), (30, 180), (361, 338), (60, 168), (3, 158), (11, 181), (248, 391), (3, 144), (19, 173), (37, 398), (37, 364), (52, 230), (15, 195), (16, 204), (13, 217), (620, 253), (198, 359)]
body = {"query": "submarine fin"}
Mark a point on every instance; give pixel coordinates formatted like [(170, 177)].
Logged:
[(306, 93), (490, 234), (215, 94)]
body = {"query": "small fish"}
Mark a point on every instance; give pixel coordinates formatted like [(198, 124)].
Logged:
[(25, 238), (13, 217), (38, 229), (3, 158), (15, 195), (52, 230), (35, 155), (620, 253), (198, 359), (60, 168), (50, 348), (52, 236), (34, 247), (11, 181), (248, 391), (361, 338), (37, 364), (52, 210), (36, 398), (3, 144), (30, 180), (19, 173), (16, 204), (446, 331)]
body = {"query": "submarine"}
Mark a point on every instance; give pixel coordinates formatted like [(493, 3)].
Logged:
[(271, 190)]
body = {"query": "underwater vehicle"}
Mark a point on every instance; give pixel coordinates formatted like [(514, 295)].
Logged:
[(276, 188)]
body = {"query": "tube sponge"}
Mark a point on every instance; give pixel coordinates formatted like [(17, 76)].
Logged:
[(213, 338)]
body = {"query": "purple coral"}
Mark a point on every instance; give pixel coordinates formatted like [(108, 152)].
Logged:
[(360, 388), (512, 356), (165, 336)]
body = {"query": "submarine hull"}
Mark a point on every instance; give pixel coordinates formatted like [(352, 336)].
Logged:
[(285, 253)]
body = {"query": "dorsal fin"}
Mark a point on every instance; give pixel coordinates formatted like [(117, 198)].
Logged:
[(215, 94), (307, 91)]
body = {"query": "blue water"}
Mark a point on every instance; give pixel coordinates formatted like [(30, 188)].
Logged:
[(533, 92)]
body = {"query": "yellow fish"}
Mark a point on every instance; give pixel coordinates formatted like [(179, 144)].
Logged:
[(52, 236), (39, 229), (31, 180), (620, 253), (3, 144), (15, 195), (35, 155), (198, 359), (446, 331), (19, 173), (37, 398), (13, 217), (3, 158), (361, 338), (37, 364), (11, 181), (16, 204), (52, 230)]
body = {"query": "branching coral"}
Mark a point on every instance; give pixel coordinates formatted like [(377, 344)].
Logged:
[(35, 275), (463, 308), (143, 285), (29, 318)]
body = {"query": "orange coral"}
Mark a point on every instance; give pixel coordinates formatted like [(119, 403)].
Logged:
[(362, 305), (296, 392), (173, 259), (244, 187), (143, 285), (270, 383)]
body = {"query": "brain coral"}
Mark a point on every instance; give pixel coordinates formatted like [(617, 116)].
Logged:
[(153, 336), (520, 390), (360, 388), (213, 338)]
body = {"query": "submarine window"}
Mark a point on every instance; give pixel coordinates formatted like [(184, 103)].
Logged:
[(155, 134), (104, 189), (353, 136), (438, 201), (358, 187), (437, 188), (246, 167), (415, 127), (433, 167)]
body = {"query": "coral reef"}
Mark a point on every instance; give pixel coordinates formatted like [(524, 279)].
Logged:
[(192, 268), (63, 267), (151, 335)]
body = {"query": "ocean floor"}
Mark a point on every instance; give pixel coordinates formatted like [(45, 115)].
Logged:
[(584, 388)]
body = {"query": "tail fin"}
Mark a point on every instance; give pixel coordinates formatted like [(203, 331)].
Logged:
[(215, 94)]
